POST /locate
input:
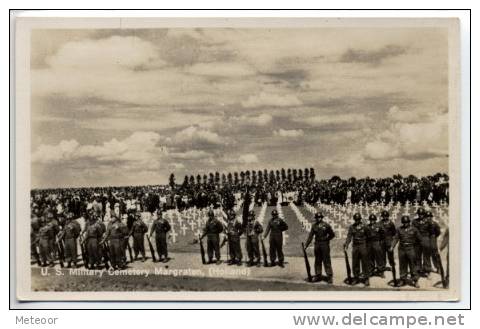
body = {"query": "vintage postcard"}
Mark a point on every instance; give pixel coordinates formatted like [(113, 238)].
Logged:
[(245, 159)]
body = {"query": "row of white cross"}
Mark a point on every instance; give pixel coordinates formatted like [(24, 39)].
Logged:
[(306, 225), (262, 213)]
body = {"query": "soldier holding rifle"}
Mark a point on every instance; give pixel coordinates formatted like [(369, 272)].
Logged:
[(139, 228), (407, 236), (358, 233), (323, 233), (253, 230), (161, 227), (69, 234), (212, 230)]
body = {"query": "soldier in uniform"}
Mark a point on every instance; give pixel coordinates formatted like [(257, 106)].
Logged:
[(359, 233), (323, 233), (234, 231), (436, 231), (69, 234), (407, 236), (375, 247), (424, 245), (389, 231), (253, 230), (116, 234), (212, 230), (276, 226), (92, 233), (46, 240), (102, 248), (35, 227), (139, 228), (161, 227)]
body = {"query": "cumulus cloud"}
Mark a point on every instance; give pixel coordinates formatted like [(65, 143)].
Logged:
[(176, 166), (270, 99), (292, 133), (421, 140), (248, 158), (139, 149), (194, 135)]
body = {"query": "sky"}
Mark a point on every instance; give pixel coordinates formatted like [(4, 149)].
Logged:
[(131, 106)]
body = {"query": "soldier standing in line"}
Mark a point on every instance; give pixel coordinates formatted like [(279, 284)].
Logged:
[(323, 233), (359, 233), (276, 226), (423, 249), (102, 248), (139, 228), (116, 234), (408, 237), (93, 234), (234, 231), (389, 231), (46, 240), (212, 230), (375, 247), (436, 231), (35, 227), (253, 230), (69, 234), (161, 227)]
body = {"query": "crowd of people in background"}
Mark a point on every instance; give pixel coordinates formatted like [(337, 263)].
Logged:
[(226, 189)]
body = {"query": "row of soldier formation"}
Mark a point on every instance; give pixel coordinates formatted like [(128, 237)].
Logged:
[(372, 243)]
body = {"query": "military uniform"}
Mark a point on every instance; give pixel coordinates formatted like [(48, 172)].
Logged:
[(234, 231), (424, 245), (359, 234), (389, 231), (375, 247), (408, 237), (161, 227), (253, 230), (139, 228), (93, 234), (275, 227), (35, 226), (69, 234), (116, 234), (323, 233), (212, 230), (46, 241)]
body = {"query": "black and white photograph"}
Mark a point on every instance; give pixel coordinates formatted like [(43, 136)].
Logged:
[(254, 159)]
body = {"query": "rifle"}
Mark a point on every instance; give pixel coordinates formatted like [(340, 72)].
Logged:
[(202, 250), (129, 250), (349, 279), (106, 257), (442, 272), (307, 263), (225, 240), (83, 250), (391, 260), (151, 248), (61, 259), (37, 255), (264, 252)]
